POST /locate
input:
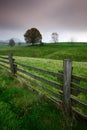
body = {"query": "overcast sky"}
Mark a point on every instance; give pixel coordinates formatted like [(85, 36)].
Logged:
[(66, 17)]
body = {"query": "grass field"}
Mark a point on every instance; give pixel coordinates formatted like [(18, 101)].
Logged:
[(48, 57), (25, 110), (59, 51), (79, 68), (22, 109)]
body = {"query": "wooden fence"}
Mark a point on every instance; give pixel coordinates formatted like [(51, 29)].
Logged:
[(64, 89)]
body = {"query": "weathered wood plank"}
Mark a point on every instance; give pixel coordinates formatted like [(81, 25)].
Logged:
[(78, 113), (59, 95), (77, 89), (4, 61), (11, 63), (4, 66), (78, 78), (57, 102), (58, 75), (50, 91), (67, 85), (78, 102), (2, 57), (56, 85)]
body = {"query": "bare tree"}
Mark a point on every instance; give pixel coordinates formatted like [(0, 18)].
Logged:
[(55, 37)]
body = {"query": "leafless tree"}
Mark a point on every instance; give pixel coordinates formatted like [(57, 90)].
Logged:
[(55, 37)]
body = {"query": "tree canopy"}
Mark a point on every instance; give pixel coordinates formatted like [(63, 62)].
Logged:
[(33, 36)]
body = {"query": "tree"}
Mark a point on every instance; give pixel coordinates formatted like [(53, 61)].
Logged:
[(33, 36), (11, 42), (55, 37)]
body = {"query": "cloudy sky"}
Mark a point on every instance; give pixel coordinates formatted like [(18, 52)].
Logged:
[(66, 17)]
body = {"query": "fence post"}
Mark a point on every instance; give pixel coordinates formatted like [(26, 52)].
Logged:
[(11, 62), (67, 64)]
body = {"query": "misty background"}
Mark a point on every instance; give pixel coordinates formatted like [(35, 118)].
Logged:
[(66, 17)]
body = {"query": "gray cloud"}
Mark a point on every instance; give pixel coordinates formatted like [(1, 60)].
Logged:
[(72, 14), (44, 14), (68, 14), (19, 12)]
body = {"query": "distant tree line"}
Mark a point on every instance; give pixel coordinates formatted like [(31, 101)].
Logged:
[(33, 36)]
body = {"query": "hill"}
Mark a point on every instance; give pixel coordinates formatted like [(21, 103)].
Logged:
[(25, 115), (58, 51)]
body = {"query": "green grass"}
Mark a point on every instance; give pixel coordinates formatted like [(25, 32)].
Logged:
[(22, 109), (79, 68), (59, 51), (49, 57)]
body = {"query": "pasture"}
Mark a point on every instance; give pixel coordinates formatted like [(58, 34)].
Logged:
[(22, 108), (50, 57), (58, 51)]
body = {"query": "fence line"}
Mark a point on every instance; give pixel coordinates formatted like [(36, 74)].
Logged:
[(59, 75), (64, 94)]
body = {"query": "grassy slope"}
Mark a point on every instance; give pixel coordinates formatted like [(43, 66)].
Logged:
[(58, 51)]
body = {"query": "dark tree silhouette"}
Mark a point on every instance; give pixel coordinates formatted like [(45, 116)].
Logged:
[(33, 36)]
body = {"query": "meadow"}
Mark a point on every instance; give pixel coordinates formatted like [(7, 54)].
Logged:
[(51, 56), (58, 51), (48, 57), (24, 109)]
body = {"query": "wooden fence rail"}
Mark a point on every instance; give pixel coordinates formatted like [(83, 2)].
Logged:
[(59, 75), (64, 93)]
